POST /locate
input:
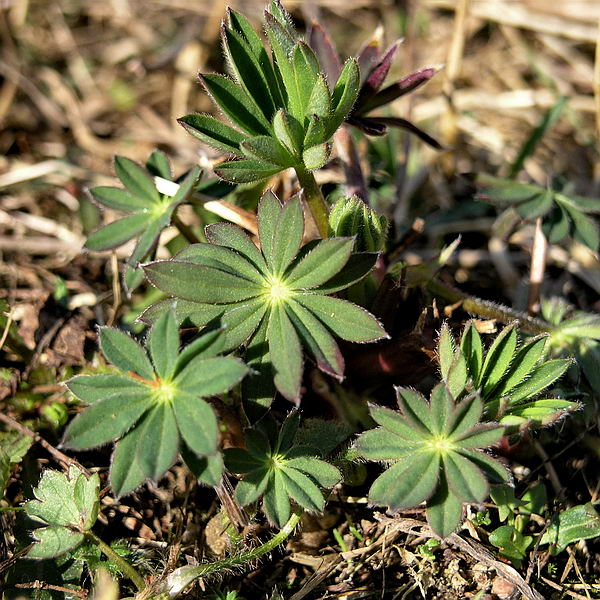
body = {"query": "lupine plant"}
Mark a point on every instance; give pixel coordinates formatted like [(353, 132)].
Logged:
[(243, 318)]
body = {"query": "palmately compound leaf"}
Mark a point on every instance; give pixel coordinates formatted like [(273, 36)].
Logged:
[(155, 404), (148, 210), (274, 300), (509, 376), (278, 470), (67, 506), (434, 447)]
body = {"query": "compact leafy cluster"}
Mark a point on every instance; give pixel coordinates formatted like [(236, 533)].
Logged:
[(277, 468), (276, 300), (507, 377), (564, 214), (154, 409), (149, 210), (352, 217), (282, 106), (434, 446), (575, 333), (67, 505)]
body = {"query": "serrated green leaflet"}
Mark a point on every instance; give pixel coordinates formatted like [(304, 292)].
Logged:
[(282, 286), (279, 470), (432, 445), (149, 406), (67, 504)]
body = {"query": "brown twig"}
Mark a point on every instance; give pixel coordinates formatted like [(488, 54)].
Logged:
[(63, 459), (42, 585), (539, 248)]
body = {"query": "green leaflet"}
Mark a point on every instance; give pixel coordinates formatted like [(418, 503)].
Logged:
[(407, 483), (159, 441), (286, 354), (135, 179), (126, 472), (239, 107), (118, 199), (92, 388), (213, 132), (118, 232), (197, 423), (346, 320), (267, 149), (326, 259), (163, 344), (246, 171), (180, 279), (106, 420), (124, 352), (203, 377), (67, 505)]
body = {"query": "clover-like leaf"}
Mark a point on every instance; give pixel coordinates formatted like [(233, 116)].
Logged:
[(434, 447), (278, 470), (67, 505), (282, 285), (154, 404)]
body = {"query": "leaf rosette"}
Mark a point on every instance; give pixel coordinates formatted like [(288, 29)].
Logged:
[(277, 469), (435, 449), (153, 404), (276, 300), (283, 112)]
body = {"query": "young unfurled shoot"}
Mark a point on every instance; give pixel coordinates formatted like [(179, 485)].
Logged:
[(509, 376)]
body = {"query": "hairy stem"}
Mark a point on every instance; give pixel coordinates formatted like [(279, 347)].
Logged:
[(316, 201), (185, 230), (490, 310), (121, 563), (177, 581)]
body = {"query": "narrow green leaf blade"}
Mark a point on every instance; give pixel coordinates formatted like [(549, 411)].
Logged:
[(246, 171), (287, 236), (286, 354), (92, 388), (408, 482), (136, 179), (203, 377), (303, 490), (213, 132), (542, 377), (124, 352), (240, 108), (126, 473), (181, 279), (159, 442), (326, 259), (197, 423), (346, 320), (118, 199), (106, 420), (466, 481), (118, 232), (163, 344)]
